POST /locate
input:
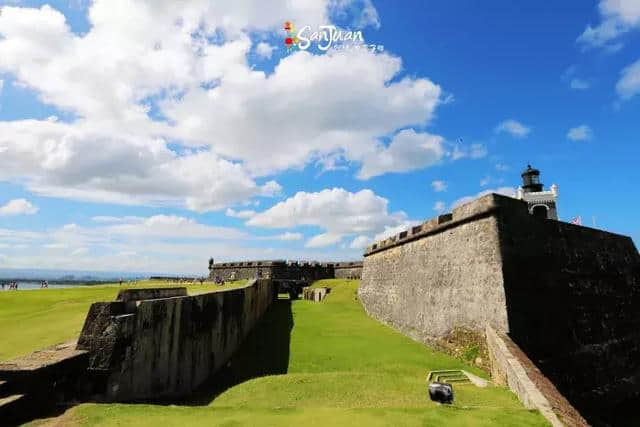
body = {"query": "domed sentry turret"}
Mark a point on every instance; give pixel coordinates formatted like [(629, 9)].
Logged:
[(531, 180)]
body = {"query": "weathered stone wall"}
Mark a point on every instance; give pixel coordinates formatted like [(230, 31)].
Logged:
[(444, 274), (291, 270), (348, 270), (568, 295), (169, 346), (573, 304)]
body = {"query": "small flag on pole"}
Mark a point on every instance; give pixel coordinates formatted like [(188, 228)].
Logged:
[(577, 220)]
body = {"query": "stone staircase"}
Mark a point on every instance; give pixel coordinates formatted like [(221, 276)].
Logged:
[(451, 376), (35, 383)]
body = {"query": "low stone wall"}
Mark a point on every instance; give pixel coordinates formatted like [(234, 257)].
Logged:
[(169, 346), (511, 367)]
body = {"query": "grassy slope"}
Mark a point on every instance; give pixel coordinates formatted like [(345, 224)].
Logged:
[(33, 319), (324, 364)]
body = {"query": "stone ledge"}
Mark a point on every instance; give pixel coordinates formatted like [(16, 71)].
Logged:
[(510, 366)]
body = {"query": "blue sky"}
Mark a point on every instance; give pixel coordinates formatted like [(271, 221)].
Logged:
[(134, 136)]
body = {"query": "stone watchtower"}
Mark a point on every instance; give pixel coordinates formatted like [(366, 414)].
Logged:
[(541, 203)]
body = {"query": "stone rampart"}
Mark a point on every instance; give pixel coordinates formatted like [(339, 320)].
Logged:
[(277, 270), (348, 270), (568, 295), (439, 275), (168, 346)]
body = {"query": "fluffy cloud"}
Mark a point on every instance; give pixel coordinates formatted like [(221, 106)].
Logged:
[(172, 226), (144, 249), (407, 151), (18, 207), (439, 186), (152, 76), (360, 242), (580, 133), (629, 84), (617, 17), (505, 191), (265, 50), (312, 106), (439, 206), (288, 236), (474, 151), (579, 84), (161, 243), (76, 161), (337, 211), (514, 128), (244, 214), (323, 240), (391, 231)]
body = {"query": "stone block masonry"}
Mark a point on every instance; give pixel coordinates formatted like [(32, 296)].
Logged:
[(286, 270), (169, 345), (277, 270), (568, 296), (348, 270)]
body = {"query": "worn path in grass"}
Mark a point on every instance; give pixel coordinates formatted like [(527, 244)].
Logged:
[(323, 364), (33, 319)]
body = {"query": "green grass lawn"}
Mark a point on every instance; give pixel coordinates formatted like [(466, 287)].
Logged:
[(310, 364), (321, 364), (33, 319)]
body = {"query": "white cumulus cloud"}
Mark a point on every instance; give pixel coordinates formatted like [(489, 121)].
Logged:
[(337, 211), (360, 242), (617, 18), (580, 133), (18, 207), (244, 214), (407, 151), (265, 50), (629, 84), (153, 77), (439, 186), (514, 128)]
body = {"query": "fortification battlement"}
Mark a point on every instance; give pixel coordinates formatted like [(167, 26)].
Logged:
[(349, 264), (478, 208), (264, 263), (283, 263)]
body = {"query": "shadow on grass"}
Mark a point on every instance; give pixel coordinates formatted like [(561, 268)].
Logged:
[(265, 351)]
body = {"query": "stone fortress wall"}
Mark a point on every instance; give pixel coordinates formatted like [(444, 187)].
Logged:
[(287, 270), (348, 270), (568, 295), (162, 342)]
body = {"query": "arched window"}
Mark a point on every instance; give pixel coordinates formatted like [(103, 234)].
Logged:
[(540, 211)]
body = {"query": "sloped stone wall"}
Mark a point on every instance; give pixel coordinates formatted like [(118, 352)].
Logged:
[(449, 275), (569, 296), (169, 346)]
